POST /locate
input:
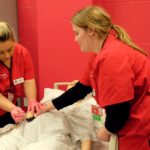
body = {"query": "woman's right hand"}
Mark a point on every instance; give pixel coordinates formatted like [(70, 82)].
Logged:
[(17, 114)]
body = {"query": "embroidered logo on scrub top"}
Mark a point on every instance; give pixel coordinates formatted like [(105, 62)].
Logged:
[(3, 76), (91, 74), (18, 81), (93, 92)]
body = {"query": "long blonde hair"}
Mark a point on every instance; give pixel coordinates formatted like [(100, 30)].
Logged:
[(6, 32), (95, 17)]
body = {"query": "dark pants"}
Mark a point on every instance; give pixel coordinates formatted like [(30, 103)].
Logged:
[(6, 119)]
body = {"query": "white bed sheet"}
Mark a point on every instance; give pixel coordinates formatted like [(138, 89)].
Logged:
[(55, 130), (48, 131)]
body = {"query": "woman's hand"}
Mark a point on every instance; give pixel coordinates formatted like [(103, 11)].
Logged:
[(45, 107), (104, 134), (17, 114), (34, 106)]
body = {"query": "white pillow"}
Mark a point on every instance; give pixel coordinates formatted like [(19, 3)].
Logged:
[(50, 94)]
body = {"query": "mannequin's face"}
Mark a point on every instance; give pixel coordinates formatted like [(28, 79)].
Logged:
[(83, 38), (6, 50)]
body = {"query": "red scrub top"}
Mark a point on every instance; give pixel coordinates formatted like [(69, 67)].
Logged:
[(118, 74), (11, 80)]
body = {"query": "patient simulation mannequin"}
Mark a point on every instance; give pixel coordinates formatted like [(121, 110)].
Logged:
[(86, 141), (71, 128)]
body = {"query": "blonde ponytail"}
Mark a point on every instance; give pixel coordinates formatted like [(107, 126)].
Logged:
[(125, 38)]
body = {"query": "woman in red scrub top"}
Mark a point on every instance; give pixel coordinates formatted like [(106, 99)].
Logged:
[(118, 73), (16, 78)]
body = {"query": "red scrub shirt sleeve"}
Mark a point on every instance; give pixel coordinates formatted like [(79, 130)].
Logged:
[(115, 81)]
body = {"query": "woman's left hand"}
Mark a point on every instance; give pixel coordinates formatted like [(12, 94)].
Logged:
[(34, 106), (104, 134), (45, 107)]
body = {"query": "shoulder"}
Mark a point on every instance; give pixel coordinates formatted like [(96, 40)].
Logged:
[(118, 51), (20, 50)]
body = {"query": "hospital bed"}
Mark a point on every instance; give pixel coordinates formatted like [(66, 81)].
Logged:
[(51, 131), (113, 144)]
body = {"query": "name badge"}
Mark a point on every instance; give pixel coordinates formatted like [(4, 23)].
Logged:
[(18, 81)]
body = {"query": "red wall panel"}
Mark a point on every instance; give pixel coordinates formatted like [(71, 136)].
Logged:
[(45, 29), (133, 15), (60, 58), (27, 29)]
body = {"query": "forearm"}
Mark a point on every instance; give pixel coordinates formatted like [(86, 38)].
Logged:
[(5, 104), (79, 91), (30, 89), (116, 116)]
